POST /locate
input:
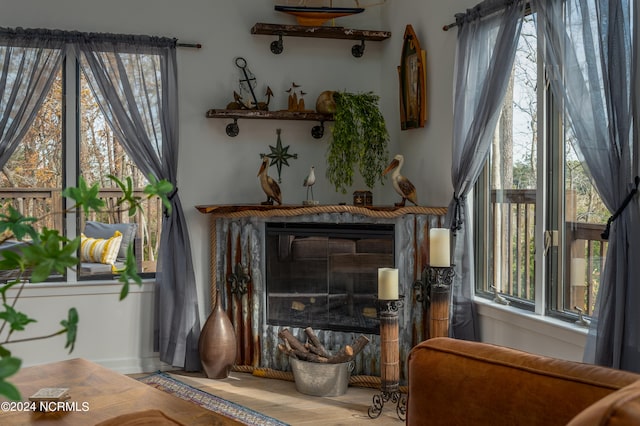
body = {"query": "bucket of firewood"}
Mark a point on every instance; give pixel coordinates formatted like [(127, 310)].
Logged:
[(321, 379)]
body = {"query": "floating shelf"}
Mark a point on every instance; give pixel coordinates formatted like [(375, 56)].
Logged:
[(232, 129), (319, 32)]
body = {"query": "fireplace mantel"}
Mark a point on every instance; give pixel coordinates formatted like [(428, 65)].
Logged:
[(248, 210)]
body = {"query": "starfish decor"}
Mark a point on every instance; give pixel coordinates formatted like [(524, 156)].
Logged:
[(279, 155)]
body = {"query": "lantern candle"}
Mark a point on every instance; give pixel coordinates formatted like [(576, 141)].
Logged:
[(387, 284), (439, 247)]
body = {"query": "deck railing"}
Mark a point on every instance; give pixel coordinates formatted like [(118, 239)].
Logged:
[(46, 204), (511, 266)]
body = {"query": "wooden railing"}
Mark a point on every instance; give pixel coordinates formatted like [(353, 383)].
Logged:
[(46, 205), (511, 266)]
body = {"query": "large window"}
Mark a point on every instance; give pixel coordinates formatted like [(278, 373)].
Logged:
[(70, 138), (538, 219)]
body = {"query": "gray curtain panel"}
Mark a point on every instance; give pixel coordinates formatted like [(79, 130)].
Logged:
[(135, 79), (27, 70), (485, 52), (593, 46)]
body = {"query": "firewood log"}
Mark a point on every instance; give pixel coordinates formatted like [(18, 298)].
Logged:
[(344, 355), (285, 334), (359, 344), (316, 342)]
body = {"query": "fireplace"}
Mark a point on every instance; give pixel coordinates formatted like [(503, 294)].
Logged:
[(243, 236), (324, 275)]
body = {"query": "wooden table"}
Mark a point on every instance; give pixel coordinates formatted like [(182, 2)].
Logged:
[(100, 394)]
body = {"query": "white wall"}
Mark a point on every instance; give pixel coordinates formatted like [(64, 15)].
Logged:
[(216, 169)]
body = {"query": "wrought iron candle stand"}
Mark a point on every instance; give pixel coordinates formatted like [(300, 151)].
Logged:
[(434, 292), (389, 361)]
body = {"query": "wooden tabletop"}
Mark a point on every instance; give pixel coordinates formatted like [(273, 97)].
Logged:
[(99, 394)]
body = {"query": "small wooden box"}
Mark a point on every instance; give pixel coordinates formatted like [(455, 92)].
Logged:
[(362, 198)]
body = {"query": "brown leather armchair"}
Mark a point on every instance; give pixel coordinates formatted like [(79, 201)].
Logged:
[(455, 382)]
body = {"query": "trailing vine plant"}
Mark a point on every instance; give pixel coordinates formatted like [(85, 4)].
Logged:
[(47, 251), (360, 138)]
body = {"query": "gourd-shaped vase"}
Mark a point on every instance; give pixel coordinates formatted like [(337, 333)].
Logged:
[(217, 344)]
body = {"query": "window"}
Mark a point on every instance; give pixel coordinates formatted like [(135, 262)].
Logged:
[(538, 219), (69, 138)]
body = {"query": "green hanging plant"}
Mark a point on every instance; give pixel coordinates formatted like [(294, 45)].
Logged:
[(360, 138)]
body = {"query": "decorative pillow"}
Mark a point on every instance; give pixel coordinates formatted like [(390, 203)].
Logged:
[(99, 250), (105, 230)]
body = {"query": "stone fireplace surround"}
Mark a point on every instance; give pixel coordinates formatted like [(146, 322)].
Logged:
[(237, 236)]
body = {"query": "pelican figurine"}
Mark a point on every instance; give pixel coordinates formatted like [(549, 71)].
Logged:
[(401, 184), (309, 181), (269, 186)]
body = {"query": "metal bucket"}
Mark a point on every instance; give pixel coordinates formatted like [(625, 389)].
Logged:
[(319, 379)]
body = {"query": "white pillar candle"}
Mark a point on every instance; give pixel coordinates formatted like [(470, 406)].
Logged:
[(578, 271), (439, 247), (387, 283)]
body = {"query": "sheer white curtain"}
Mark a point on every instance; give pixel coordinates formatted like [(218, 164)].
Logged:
[(487, 40), (591, 45), (28, 66), (135, 80)]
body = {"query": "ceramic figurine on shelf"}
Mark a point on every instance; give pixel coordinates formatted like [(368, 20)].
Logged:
[(269, 186), (309, 181), (401, 184)]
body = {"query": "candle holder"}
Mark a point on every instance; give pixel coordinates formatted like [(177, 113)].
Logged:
[(434, 292), (389, 361)]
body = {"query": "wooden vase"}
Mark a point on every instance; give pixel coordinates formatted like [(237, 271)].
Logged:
[(217, 344)]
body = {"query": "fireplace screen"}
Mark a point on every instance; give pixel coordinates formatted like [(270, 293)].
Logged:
[(325, 275)]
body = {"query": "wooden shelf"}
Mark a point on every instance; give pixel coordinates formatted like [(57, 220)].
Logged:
[(268, 115), (319, 32), (232, 129)]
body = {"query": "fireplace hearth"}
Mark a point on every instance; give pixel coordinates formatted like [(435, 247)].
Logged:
[(325, 275)]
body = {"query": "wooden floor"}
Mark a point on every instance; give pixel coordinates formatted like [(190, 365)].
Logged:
[(280, 399)]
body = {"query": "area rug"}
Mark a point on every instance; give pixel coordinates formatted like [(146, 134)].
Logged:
[(168, 384)]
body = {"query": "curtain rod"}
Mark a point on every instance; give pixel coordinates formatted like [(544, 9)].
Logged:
[(193, 45), (481, 11)]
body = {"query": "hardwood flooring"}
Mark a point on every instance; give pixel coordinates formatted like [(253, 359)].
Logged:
[(280, 399)]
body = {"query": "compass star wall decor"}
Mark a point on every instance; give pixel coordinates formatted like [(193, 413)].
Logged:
[(279, 155)]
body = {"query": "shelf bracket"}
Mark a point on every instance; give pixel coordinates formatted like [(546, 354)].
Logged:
[(232, 129), (277, 46), (318, 131), (358, 49)]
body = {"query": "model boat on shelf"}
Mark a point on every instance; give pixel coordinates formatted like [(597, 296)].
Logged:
[(314, 16)]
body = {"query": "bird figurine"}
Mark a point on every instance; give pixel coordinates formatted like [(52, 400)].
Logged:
[(309, 181), (401, 184), (269, 186)]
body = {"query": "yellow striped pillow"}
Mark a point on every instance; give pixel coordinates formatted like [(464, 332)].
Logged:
[(99, 250)]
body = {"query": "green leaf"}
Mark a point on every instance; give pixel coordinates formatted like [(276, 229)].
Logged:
[(127, 196), (128, 273), (5, 288), (8, 367), (9, 390), (54, 253), (160, 188), (19, 225), (16, 320), (4, 352), (84, 196), (71, 327)]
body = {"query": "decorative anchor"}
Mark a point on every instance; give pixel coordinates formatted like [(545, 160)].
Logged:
[(279, 155), (249, 81)]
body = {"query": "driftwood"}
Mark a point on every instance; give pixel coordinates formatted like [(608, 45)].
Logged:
[(313, 351)]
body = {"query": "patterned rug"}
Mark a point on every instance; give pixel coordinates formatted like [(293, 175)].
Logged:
[(168, 384)]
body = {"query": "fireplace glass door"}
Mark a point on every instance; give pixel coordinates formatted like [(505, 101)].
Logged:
[(325, 276)]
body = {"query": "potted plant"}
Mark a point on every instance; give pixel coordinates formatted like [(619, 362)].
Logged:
[(360, 138), (47, 251)]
